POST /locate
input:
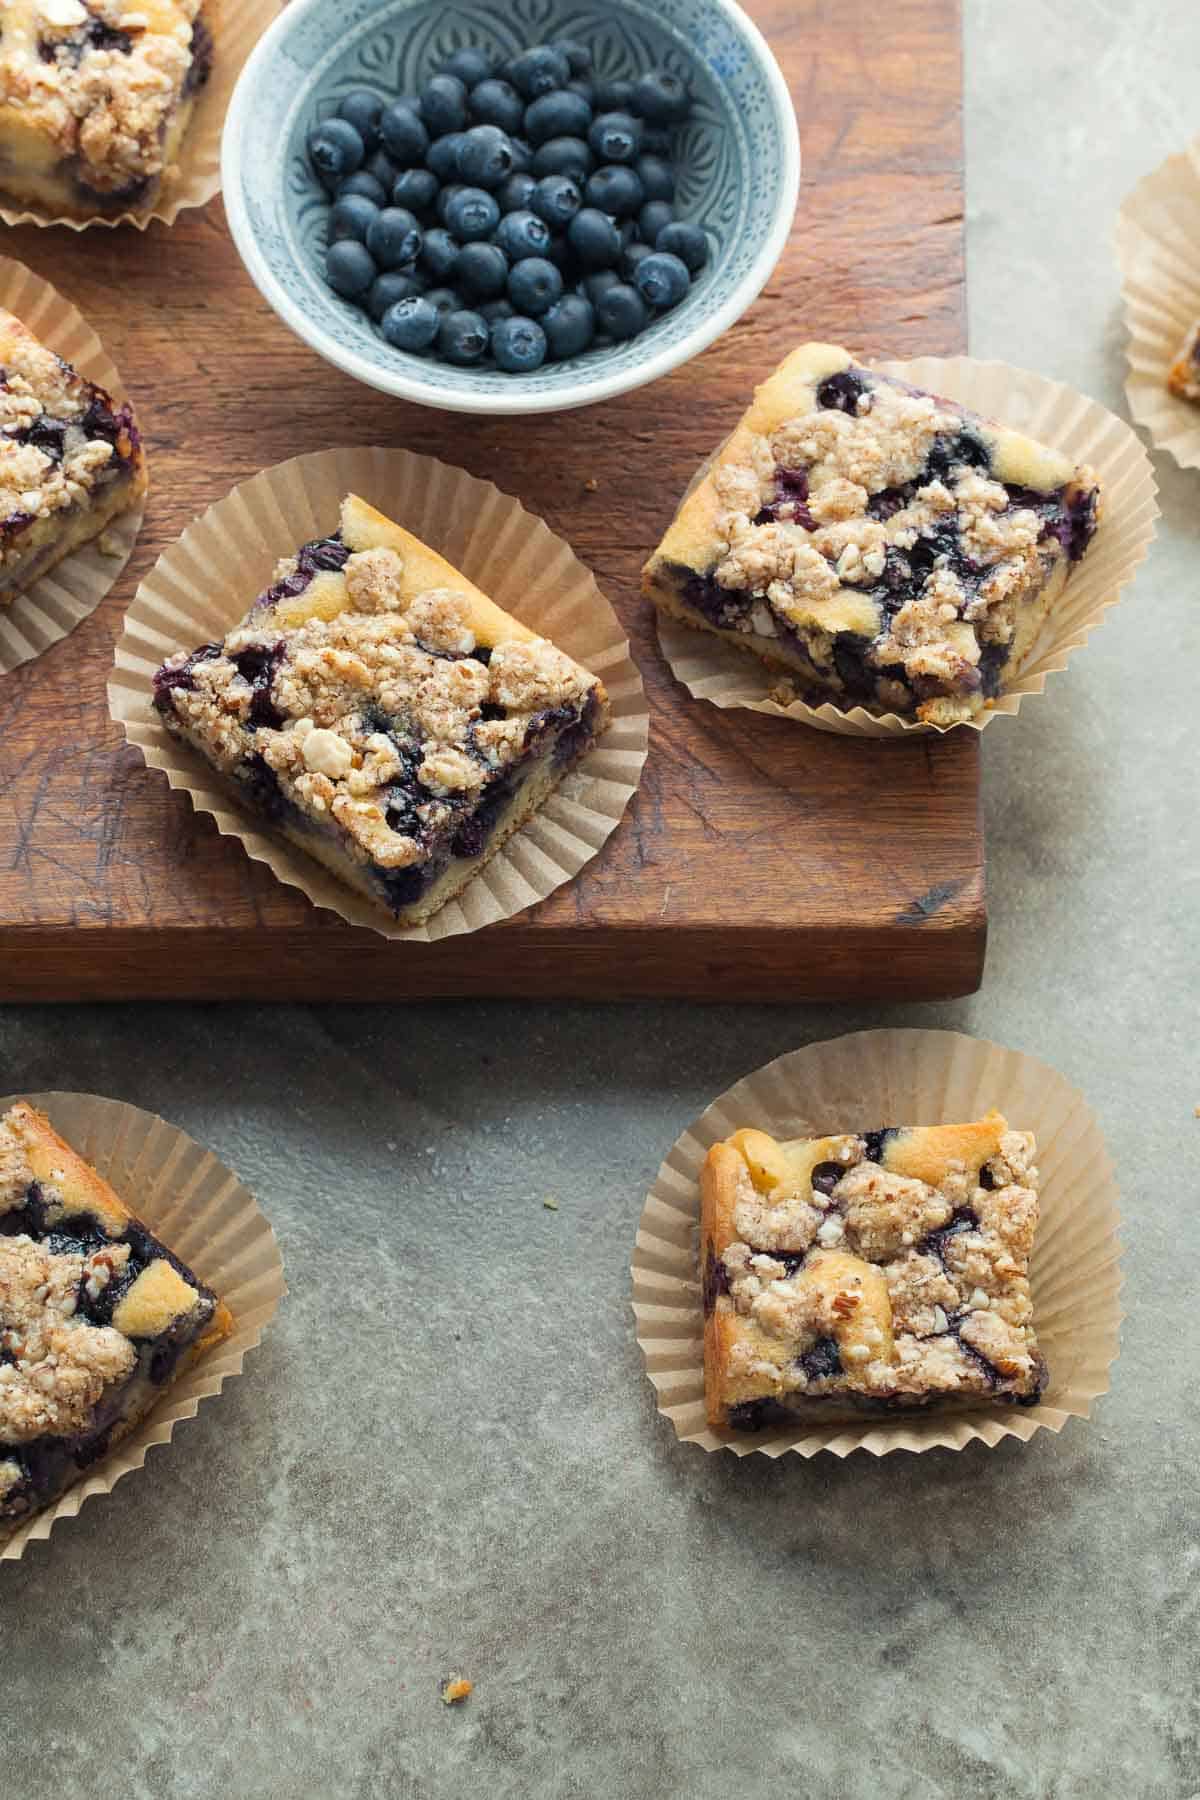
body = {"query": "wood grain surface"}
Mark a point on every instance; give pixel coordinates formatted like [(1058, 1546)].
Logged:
[(761, 859)]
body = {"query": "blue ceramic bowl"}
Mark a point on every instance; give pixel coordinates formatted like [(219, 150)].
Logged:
[(738, 171)]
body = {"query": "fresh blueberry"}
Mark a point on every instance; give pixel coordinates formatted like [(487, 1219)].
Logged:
[(394, 237), (417, 189), (631, 256), (579, 84), (335, 150), (462, 337), (653, 217), (657, 141), (444, 198), (579, 57), (439, 253), (495, 310), (496, 102), (522, 156), (662, 279), (380, 165), (472, 214), (444, 299), (442, 156), (363, 184), (556, 199), (570, 326), (614, 96), (404, 136), (480, 271), (656, 176), (362, 109), (685, 241), (539, 70), (470, 65), (518, 345), (615, 190), (564, 156), (621, 312), (615, 137), (534, 285), (349, 268), (387, 290), (521, 234), (594, 239), (598, 283), (661, 98), (411, 324), (560, 114), (444, 104), (352, 217), (516, 193), (485, 156)]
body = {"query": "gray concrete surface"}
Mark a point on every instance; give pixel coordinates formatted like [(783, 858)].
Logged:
[(446, 1458)]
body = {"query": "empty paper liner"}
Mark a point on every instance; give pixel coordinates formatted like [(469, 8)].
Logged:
[(203, 584), (236, 26), (201, 1212), (1158, 248), (1043, 409), (904, 1078), (53, 605)]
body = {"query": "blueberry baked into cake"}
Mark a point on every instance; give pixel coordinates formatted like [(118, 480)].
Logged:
[(95, 100), (97, 1318), (1183, 378), (888, 548), (70, 458), (881, 1271), (383, 714)]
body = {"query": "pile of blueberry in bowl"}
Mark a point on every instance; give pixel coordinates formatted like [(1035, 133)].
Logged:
[(516, 211), (576, 218)]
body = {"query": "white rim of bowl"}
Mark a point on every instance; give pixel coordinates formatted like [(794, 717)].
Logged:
[(586, 391)]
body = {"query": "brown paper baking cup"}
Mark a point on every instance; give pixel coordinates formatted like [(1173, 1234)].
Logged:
[(49, 609), (1083, 430), (910, 1077), (1158, 248), (199, 1209), (237, 27), (205, 582)]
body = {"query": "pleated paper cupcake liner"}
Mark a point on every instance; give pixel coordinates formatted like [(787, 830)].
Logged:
[(202, 1213), (205, 582), (52, 607), (914, 1078), (237, 26), (1084, 430), (1158, 248)]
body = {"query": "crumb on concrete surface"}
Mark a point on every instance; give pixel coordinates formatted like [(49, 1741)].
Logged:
[(456, 1689), (551, 1204)]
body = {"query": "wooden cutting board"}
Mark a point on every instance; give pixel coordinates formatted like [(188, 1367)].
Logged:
[(761, 859)]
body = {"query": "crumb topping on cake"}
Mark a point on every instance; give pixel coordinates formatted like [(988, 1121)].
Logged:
[(55, 1366), (856, 1276), (384, 693), (61, 441), (99, 79), (987, 552), (877, 540)]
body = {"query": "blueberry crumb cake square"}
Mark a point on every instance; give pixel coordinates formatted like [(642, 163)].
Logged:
[(97, 1318), (874, 1272), (71, 459), (383, 714), (95, 100), (887, 548), (1184, 376)]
